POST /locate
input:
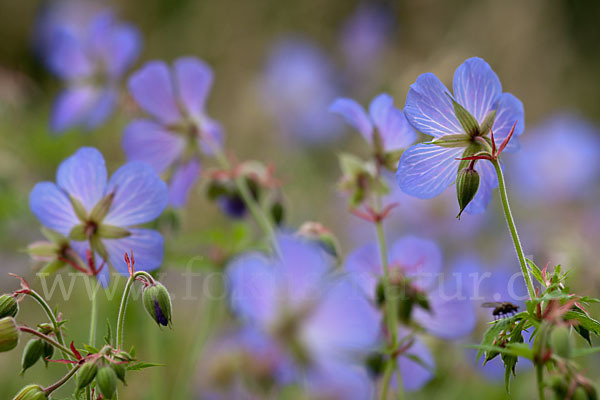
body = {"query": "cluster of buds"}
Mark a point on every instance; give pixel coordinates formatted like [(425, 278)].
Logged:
[(224, 189), (37, 349), (360, 179), (405, 293), (105, 368)]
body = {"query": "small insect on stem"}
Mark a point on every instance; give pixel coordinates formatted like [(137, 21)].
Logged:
[(501, 309)]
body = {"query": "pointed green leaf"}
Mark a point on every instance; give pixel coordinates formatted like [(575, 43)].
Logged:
[(535, 271)]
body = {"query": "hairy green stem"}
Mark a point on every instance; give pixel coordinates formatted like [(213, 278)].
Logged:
[(62, 381), (539, 373), (48, 339), (93, 316), (46, 307), (124, 301), (513, 229)]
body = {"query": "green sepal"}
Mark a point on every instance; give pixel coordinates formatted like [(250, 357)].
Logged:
[(467, 121), (451, 141), (52, 267), (488, 122), (102, 208), (42, 249), (98, 246), (54, 236), (79, 208), (112, 232), (78, 232)]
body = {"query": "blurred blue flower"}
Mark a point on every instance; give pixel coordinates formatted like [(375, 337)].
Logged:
[(298, 85), (425, 170), (562, 161), (91, 60), (179, 130), (395, 133), (365, 35), (321, 319), (84, 197), (419, 261)]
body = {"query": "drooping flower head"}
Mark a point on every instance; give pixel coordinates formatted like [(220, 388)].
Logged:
[(91, 59), (415, 268), (178, 130), (562, 162), (321, 320), (298, 84), (90, 209), (384, 127), (460, 125)]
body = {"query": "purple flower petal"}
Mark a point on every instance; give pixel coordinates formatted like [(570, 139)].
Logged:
[(355, 115), (120, 49), (72, 107), (52, 207), (429, 109), (253, 286), (102, 108), (510, 110), (152, 89), (339, 381), (211, 136), (477, 87), (425, 170), (68, 58), (194, 79), (364, 267), (147, 141), (303, 266), (182, 181), (393, 126), (418, 259), (140, 195), (147, 246), (83, 176), (344, 323), (488, 181), (452, 315), (414, 374)]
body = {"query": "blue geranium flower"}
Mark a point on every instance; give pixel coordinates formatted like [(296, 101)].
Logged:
[(92, 62), (389, 123), (563, 161), (179, 130), (321, 319), (87, 207), (417, 263), (477, 105), (298, 84)]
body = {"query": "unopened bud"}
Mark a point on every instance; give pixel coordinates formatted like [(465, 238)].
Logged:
[(561, 341), (47, 353), (31, 392), (34, 349), (467, 184), (9, 334), (120, 371), (9, 307), (106, 379), (559, 385), (86, 375), (157, 302), (580, 394), (318, 233)]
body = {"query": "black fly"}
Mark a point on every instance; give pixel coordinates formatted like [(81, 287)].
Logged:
[(501, 309)]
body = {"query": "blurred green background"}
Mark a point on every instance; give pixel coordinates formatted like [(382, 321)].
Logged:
[(544, 51)]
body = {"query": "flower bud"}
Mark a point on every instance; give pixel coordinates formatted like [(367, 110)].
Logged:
[(580, 394), (9, 307), (158, 303), (47, 353), (31, 392), (9, 334), (86, 375), (561, 341), (106, 380), (120, 371), (32, 353), (467, 183), (315, 231)]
